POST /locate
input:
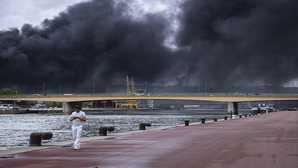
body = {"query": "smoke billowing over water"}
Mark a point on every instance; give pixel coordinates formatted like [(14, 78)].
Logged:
[(216, 43)]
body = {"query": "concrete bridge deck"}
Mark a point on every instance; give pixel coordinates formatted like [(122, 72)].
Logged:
[(268, 140)]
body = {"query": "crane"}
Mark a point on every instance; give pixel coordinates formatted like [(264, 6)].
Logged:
[(130, 103)]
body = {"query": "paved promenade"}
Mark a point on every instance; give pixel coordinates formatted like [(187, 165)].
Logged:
[(262, 141)]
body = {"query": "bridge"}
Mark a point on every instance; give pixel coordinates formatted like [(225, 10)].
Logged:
[(231, 99)]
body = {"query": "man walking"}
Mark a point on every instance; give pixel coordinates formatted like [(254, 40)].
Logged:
[(77, 117)]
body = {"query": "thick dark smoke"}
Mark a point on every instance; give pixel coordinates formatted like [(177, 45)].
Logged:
[(240, 41), (92, 42), (220, 43)]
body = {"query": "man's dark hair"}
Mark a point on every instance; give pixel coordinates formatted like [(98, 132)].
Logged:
[(77, 107)]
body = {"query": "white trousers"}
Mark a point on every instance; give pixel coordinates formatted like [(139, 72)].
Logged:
[(76, 134)]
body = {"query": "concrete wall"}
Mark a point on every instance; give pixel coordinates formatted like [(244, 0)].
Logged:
[(233, 108), (68, 107)]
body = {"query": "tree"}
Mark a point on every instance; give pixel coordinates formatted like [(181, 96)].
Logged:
[(7, 91), (54, 104)]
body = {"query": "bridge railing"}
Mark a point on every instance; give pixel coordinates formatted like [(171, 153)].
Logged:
[(151, 94)]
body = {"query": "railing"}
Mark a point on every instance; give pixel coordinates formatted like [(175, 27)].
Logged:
[(150, 94)]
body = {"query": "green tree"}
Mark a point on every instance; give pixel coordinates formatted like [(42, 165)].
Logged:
[(54, 104), (7, 91)]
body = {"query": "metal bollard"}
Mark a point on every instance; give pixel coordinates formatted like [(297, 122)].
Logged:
[(240, 116), (142, 126), (203, 120), (36, 137), (215, 119), (103, 130), (186, 122), (225, 117)]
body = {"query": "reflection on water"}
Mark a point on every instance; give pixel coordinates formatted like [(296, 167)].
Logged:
[(16, 128)]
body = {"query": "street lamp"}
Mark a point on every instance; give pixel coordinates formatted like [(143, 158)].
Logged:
[(93, 87), (43, 88)]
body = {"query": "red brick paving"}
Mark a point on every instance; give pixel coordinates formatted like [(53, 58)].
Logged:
[(262, 141)]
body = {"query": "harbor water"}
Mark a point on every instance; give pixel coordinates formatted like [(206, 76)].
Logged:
[(15, 129)]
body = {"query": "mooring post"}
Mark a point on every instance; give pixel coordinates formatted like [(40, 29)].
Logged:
[(103, 130), (203, 120), (142, 126), (36, 137)]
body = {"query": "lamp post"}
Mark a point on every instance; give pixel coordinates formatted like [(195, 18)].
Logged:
[(43, 88), (94, 88), (14, 102)]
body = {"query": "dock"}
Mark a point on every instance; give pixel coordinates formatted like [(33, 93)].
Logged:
[(265, 141)]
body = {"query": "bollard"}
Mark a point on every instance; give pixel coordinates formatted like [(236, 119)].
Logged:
[(240, 116), (215, 119), (142, 126), (203, 120), (245, 115), (186, 122), (226, 117), (103, 130), (36, 137)]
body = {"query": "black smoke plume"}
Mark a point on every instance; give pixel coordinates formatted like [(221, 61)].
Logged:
[(91, 42), (219, 43), (240, 41)]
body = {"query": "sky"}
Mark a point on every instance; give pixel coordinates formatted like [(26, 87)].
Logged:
[(215, 43), (15, 13)]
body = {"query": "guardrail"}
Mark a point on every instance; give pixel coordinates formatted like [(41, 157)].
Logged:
[(151, 94)]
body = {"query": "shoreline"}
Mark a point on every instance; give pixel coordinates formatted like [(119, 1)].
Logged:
[(68, 143), (59, 110), (67, 139)]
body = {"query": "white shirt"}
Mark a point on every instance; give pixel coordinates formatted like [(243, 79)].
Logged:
[(77, 122)]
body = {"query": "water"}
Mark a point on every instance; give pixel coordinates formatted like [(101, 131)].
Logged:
[(15, 129)]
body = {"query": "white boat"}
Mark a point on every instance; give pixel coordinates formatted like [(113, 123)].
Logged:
[(6, 106), (262, 108)]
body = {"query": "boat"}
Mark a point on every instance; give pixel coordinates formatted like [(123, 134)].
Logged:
[(6, 106), (262, 108)]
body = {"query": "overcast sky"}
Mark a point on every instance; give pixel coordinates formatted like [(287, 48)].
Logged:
[(14, 13)]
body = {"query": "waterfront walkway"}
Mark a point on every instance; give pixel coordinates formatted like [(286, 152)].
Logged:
[(263, 141)]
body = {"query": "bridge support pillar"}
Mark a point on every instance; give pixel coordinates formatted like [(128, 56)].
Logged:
[(68, 107), (233, 108)]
